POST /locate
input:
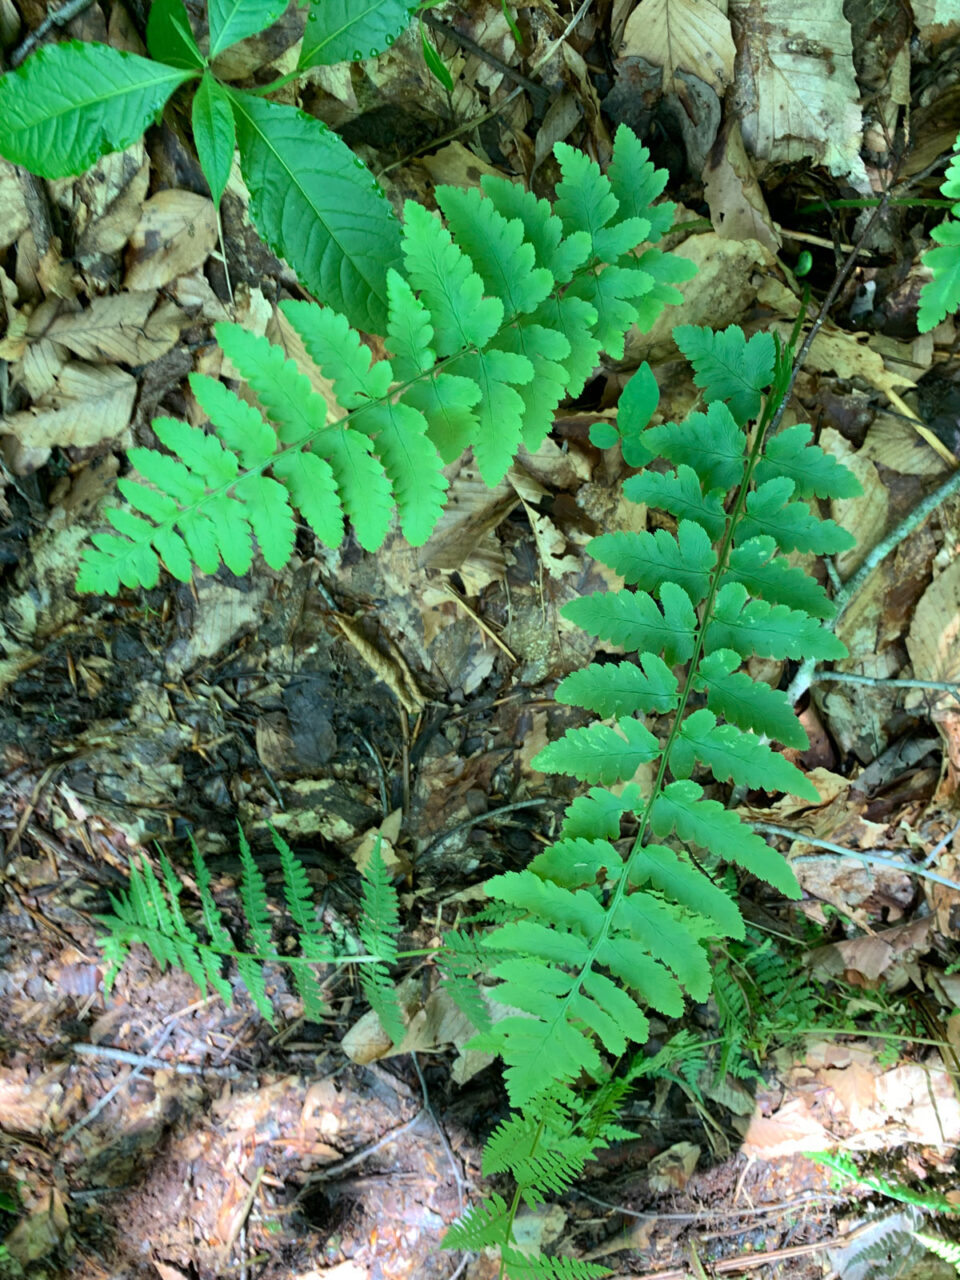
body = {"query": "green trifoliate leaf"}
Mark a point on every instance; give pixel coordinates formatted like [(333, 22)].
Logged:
[(328, 218), (756, 565), (169, 35), (632, 619), (69, 104), (348, 30), (728, 367), (749, 704), (234, 20), (648, 560), (731, 753), (770, 631), (599, 753), (679, 493), (214, 134), (812, 471), (792, 525), (604, 435), (638, 403), (620, 688), (681, 808), (710, 443)]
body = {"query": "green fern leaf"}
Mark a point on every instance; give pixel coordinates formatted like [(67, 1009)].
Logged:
[(769, 631), (636, 183), (379, 926), (522, 1266), (449, 286), (813, 472), (792, 525), (402, 444), (362, 481), (940, 296), (586, 203), (710, 443), (612, 293), (599, 753), (577, 862), (682, 883), (633, 620), (575, 320), (447, 404), (732, 753), (542, 229), (667, 270), (728, 367), (340, 355), (621, 689), (747, 703), (483, 1225), (545, 350), (597, 813), (665, 934), (757, 567), (648, 560), (497, 248), (500, 408), (409, 331), (680, 809), (679, 493)]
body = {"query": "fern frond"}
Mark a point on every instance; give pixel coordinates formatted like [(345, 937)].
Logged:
[(379, 927), (940, 297), (502, 312), (948, 1250)]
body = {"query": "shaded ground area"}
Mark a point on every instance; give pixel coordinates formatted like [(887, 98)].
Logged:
[(156, 1133)]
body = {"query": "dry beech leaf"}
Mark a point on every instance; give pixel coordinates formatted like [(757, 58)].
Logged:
[(682, 35), (864, 516), (895, 444), (42, 362), (13, 209), (738, 210), (113, 228), (933, 641), (88, 404), (457, 166), (789, 1131), (120, 328), (175, 234), (804, 100)]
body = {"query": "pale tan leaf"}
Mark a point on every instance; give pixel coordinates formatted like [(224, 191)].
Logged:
[(42, 362), (933, 641), (13, 209), (897, 445), (936, 20), (682, 35), (89, 404), (119, 328), (738, 210), (109, 232), (800, 86), (175, 234), (864, 516)]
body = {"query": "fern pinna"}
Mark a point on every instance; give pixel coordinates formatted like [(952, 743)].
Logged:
[(600, 932), (501, 313)]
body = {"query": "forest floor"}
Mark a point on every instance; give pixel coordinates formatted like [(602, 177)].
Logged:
[(160, 1134)]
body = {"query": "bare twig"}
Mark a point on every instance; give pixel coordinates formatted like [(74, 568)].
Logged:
[(444, 1141), (122, 1083), (540, 95), (870, 856), (485, 817), (884, 682), (59, 18), (147, 1062)]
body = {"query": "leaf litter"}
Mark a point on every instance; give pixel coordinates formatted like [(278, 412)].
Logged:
[(349, 689)]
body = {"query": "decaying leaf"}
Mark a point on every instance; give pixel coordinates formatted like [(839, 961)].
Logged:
[(799, 85), (682, 35), (865, 515), (119, 328), (88, 404), (13, 209), (175, 234), (738, 210), (933, 641)]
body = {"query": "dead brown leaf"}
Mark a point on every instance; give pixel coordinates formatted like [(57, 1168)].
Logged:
[(120, 328), (175, 234), (87, 405), (738, 210)]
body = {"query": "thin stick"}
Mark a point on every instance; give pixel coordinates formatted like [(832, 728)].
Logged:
[(59, 18), (147, 1062), (884, 682), (122, 1083), (908, 868)]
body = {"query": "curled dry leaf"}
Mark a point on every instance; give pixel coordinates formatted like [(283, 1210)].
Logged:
[(175, 234), (119, 328)]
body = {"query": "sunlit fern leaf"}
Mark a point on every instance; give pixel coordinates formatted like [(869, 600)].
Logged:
[(814, 473), (560, 255), (576, 321), (748, 703), (538, 1266), (612, 293), (578, 862), (636, 183), (792, 525), (313, 945), (668, 271), (734, 754), (586, 203), (459, 961), (600, 753), (647, 560), (679, 881), (769, 631), (448, 404), (497, 248), (757, 567), (681, 809), (710, 443), (948, 1250), (541, 1160), (500, 408), (483, 1225), (634, 620), (727, 366), (409, 331), (597, 813), (620, 688), (679, 493), (378, 928)]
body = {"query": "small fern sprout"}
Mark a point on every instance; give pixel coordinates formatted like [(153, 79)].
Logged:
[(503, 309), (601, 931)]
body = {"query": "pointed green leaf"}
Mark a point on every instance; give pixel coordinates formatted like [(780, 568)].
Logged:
[(328, 218), (632, 619), (71, 103), (636, 183), (728, 367), (620, 688), (170, 38), (763, 573), (348, 30), (638, 403), (599, 753), (542, 228), (749, 704), (792, 525), (234, 20), (710, 443), (648, 560), (684, 884), (679, 493), (813, 472), (733, 754), (770, 631), (214, 134)]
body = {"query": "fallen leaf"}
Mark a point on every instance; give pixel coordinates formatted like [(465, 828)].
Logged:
[(88, 404), (865, 516), (109, 232), (457, 166), (896, 445), (682, 35), (13, 209), (175, 234), (803, 95), (933, 641), (790, 1130), (672, 1169), (119, 328), (936, 20), (738, 210)]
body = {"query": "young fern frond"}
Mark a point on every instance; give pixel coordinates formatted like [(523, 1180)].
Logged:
[(501, 313), (948, 1250), (150, 913), (940, 297)]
